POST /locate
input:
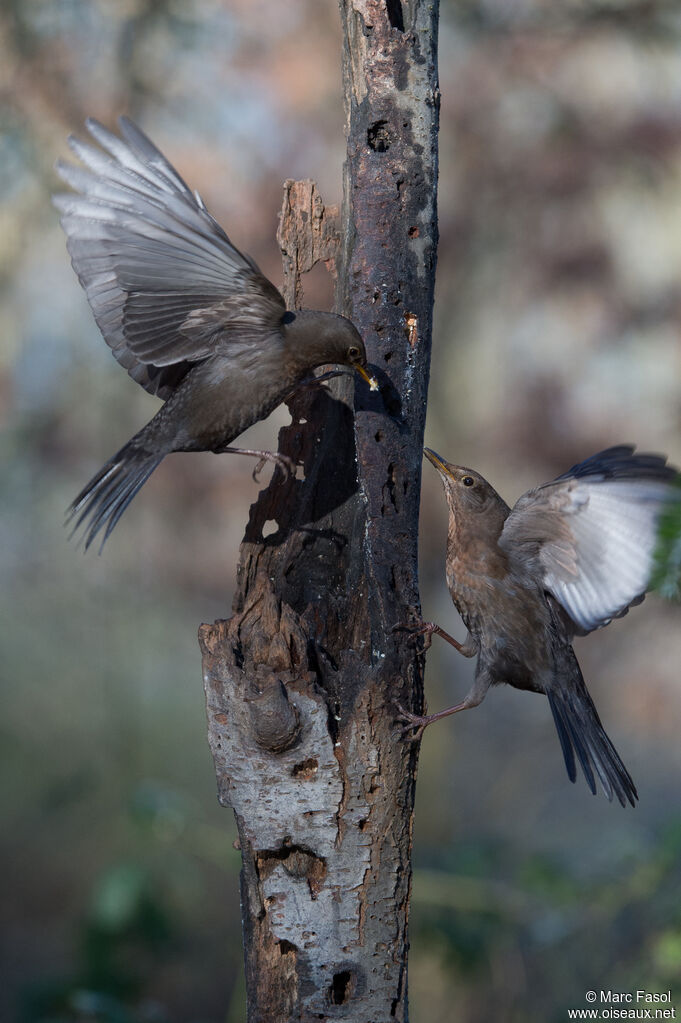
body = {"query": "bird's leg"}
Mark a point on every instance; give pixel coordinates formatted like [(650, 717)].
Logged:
[(428, 629), (286, 464), (420, 722)]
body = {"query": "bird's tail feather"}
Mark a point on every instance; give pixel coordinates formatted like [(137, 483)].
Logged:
[(580, 732), (103, 500)]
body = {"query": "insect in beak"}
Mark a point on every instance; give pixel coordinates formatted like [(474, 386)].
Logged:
[(372, 381)]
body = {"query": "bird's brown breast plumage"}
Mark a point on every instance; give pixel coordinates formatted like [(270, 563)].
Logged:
[(506, 616)]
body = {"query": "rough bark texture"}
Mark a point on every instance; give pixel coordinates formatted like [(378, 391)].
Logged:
[(302, 681)]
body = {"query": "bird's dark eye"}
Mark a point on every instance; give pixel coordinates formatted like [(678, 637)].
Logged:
[(353, 352), (468, 481)]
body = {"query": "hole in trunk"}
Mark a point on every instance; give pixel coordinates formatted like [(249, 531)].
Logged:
[(269, 527), (306, 769), (378, 137), (395, 15), (342, 987)]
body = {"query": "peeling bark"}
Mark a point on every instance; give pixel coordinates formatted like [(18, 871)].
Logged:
[(309, 233), (301, 683)]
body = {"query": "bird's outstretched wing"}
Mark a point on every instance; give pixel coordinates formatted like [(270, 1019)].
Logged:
[(165, 283), (591, 534)]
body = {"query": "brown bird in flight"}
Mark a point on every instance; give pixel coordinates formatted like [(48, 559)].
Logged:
[(192, 319), (569, 557)]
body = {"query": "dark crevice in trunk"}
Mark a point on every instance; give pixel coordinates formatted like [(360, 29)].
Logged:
[(395, 15)]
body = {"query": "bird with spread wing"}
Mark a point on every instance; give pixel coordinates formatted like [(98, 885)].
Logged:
[(569, 557), (189, 316)]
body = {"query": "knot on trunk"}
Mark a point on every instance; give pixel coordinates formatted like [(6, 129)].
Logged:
[(274, 719), (269, 653)]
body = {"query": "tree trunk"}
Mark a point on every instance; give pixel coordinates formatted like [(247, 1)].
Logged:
[(302, 682)]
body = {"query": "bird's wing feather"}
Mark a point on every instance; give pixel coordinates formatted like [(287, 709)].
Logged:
[(591, 534), (165, 283)]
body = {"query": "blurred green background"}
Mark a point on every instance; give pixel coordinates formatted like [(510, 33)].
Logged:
[(557, 332)]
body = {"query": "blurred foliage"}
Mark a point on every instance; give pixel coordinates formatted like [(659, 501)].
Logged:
[(136, 918), (523, 927), (667, 577), (557, 326)]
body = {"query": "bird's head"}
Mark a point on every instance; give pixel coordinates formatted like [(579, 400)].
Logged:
[(350, 351), (467, 492), (320, 339)]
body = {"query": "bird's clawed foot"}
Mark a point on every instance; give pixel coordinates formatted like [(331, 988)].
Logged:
[(416, 629), (286, 464), (419, 722), (430, 629), (412, 723)]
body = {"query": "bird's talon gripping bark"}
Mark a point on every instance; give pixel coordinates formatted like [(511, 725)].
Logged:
[(415, 723), (416, 629), (287, 465)]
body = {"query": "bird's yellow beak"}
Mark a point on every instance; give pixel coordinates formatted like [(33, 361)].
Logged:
[(439, 463), (372, 381)]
